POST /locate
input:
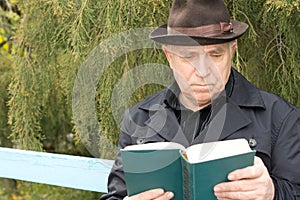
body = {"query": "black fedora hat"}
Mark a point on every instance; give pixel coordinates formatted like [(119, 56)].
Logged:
[(198, 22)]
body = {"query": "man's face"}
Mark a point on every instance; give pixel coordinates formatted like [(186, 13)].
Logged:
[(200, 71)]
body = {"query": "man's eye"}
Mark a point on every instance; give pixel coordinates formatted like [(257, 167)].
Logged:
[(187, 56), (216, 55)]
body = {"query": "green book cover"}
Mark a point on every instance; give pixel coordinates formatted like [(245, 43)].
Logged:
[(189, 173)]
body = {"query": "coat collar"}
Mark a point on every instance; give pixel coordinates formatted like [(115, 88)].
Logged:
[(165, 123), (230, 118), (244, 93)]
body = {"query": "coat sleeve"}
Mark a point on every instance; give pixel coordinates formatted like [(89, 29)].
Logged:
[(285, 171), (116, 182)]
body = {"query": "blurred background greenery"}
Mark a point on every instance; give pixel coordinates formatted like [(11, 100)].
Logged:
[(44, 42)]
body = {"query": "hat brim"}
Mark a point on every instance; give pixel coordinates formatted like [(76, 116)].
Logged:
[(160, 35)]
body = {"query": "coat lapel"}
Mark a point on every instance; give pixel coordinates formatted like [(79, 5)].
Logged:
[(226, 122), (234, 121), (164, 122)]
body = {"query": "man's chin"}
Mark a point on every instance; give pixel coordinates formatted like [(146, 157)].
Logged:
[(201, 102), (202, 89)]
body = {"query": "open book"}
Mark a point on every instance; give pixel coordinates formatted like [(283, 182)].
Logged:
[(190, 173)]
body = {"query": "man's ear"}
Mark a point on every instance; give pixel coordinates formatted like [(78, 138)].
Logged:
[(233, 47), (167, 53)]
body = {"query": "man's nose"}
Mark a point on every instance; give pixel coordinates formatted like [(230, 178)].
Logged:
[(202, 66)]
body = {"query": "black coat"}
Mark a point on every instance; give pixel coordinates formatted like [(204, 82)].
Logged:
[(270, 124)]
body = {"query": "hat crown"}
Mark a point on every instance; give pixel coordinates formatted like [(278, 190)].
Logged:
[(198, 22), (197, 13)]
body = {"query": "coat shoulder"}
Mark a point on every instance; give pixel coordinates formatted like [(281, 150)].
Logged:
[(150, 102), (276, 102)]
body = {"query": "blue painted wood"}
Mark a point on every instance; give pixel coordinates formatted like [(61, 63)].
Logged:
[(55, 169)]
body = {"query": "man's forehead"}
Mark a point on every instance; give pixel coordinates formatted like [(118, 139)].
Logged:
[(205, 48)]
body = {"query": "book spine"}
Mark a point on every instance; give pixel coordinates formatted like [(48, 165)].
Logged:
[(187, 180)]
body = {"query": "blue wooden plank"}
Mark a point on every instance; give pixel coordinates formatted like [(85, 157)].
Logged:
[(55, 169)]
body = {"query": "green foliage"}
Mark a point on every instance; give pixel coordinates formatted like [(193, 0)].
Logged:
[(5, 76), (19, 190), (41, 89), (269, 52), (9, 17), (58, 35)]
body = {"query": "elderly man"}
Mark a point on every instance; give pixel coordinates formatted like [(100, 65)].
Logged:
[(199, 43)]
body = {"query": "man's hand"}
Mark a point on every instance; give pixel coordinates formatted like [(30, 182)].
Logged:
[(252, 182), (155, 194)]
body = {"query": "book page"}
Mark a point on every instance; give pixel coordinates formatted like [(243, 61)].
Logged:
[(155, 146), (214, 150)]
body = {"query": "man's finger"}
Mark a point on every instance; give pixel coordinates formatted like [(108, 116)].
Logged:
[(236, 195), (242, 185), (150, 194), (249, 172), (166, 196)]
